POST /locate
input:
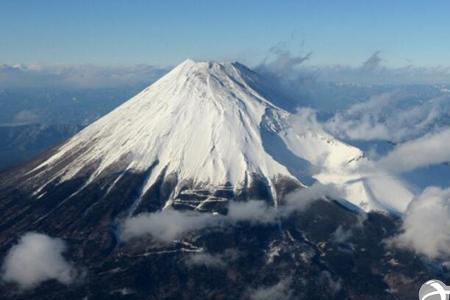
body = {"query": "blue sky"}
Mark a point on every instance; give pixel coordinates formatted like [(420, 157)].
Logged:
[(117, 32)]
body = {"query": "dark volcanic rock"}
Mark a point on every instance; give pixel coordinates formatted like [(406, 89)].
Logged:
[(324, 252)]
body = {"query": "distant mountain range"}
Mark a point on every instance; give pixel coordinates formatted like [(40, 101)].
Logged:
[(23, 142)]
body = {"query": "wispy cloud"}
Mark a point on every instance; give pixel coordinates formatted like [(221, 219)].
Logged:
[(296, 68), (326, 279), (35, 259), (283, 63), (372, 63)]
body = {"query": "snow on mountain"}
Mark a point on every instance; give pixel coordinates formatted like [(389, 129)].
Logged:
[(208, 125)]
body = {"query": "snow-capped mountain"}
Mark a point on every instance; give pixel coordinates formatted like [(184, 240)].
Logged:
[(201, 137), (204, 126)]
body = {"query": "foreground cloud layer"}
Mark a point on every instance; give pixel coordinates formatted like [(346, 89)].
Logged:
[(427, 150), (35, 259), (426, 225), (169, 224), (281, 290)]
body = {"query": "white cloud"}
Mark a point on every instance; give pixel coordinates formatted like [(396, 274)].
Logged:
[(170, 224), (206, 259), (251, 211), (426, 224), (280, 291), (395, 116), (342, 235), (377, 184), (35, 259), (166, 225), (212, 260), (300, 200), (427, 150)]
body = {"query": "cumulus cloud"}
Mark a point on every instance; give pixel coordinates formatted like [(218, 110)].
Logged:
[(170, 224), (35, 259), (281, 290), (430, 149), (426, 224)]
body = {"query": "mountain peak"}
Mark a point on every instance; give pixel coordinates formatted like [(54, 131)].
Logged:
[(200, 123), (209, 66)]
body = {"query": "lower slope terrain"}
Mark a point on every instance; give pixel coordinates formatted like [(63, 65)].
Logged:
[(186, 152)]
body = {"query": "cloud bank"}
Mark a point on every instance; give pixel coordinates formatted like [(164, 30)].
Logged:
[(35, 259), (287, 70), (77, 76), (425, 225), (395, 116)]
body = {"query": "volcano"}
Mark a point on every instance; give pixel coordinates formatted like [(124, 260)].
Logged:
[(205, 129), (203, 135)]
